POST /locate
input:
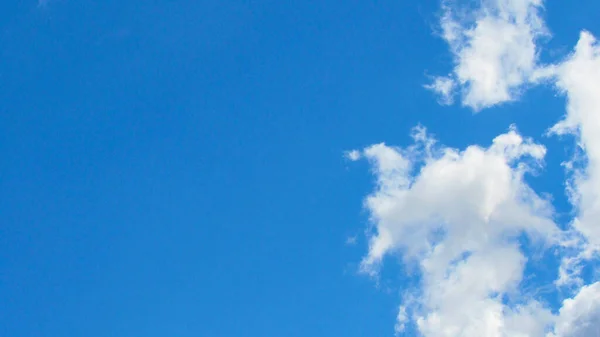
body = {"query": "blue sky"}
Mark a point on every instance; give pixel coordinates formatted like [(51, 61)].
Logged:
[(178, 169)]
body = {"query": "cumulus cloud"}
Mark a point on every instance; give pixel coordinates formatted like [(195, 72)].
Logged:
[(458, 215), (579, 78), (452, 191), (580, 316), (493, 47)]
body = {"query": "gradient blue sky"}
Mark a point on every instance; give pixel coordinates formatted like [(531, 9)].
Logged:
[(177, 169)]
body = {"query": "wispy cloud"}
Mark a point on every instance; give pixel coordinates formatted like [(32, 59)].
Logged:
[(351, 240), (352, 155)]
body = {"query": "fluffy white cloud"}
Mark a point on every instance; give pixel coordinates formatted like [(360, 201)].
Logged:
[(579, 78), (455, 191), (580, 316), (458, 215), (494, 49)]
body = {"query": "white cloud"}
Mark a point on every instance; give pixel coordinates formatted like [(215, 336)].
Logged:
[(352, 155), (351, 240), (444, 87), (457, 214), (494, 50), (580, 316), (579, 78)]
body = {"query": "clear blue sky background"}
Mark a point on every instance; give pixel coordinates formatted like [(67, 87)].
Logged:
[(176, 169)]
